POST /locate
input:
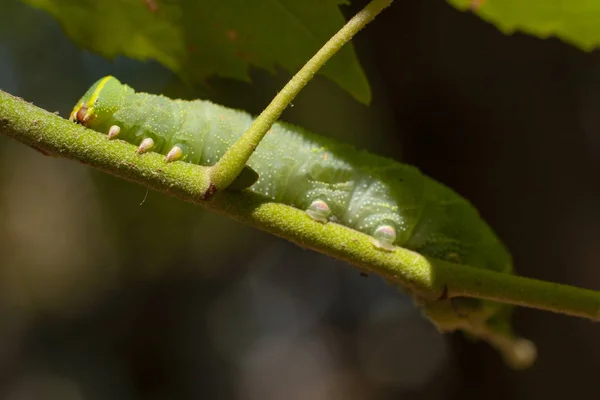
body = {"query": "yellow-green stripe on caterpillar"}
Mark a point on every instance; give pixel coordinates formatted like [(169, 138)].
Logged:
[(394, 203)]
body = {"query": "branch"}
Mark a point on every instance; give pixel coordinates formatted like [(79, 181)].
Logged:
[(428, 278), (431, 281)]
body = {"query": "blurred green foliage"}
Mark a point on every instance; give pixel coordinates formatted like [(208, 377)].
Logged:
[(198, 39), (574, 21)]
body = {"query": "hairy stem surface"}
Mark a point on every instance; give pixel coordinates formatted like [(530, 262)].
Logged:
[(428, 278)]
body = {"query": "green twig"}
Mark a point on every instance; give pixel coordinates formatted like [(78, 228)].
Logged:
[(432, 282), (427, 278), (234, 160)]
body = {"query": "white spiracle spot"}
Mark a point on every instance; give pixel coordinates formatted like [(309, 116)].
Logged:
[(319, 211), (384, 236)]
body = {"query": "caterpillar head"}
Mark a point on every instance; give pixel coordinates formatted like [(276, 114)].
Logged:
[(99, 103)]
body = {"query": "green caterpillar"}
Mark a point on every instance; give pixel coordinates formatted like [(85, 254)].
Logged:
[(394, 203)]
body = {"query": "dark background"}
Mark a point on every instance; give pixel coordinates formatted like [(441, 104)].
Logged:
[(110, 292)]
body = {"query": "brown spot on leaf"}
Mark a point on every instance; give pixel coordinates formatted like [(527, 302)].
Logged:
[(152, 5), (232, 35), (476, 4), (243, 55)]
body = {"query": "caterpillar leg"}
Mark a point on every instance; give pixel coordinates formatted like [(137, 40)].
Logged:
[(146, 145), (319, 211), (174, 154), (114, 131), (179, 151), (384, 237)]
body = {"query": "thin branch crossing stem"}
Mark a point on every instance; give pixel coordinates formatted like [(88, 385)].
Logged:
[(236, 157)]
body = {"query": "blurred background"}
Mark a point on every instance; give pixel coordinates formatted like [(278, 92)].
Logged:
[(108, 291)]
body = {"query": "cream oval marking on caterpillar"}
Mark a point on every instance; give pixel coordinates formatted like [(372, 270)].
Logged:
[(394, 203)]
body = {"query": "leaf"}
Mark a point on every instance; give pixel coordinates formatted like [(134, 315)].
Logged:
[(200, 38), (575, 21)]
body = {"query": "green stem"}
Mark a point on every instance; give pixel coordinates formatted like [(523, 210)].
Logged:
[(466, 281), (53, 135), (428, 279), (236, 157)]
